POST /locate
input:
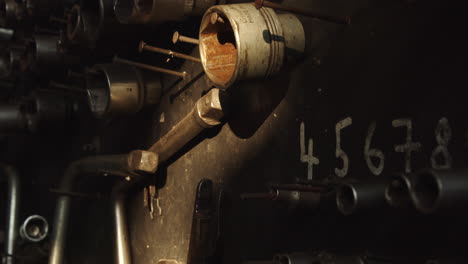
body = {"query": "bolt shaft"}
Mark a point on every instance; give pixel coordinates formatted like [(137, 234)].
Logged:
[(65, 87), (143, 46), (182, 75), (340, 20), (179, 38)]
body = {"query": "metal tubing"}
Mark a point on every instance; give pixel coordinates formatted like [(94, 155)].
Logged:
[(143, 46), (358, 197), (122, 245), (206, 113), (102, 164), (12, 178), (340, 20), (182, 75), (439, 190), (397, 193)]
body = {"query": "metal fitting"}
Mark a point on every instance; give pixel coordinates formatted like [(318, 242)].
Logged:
[(45, 53), (141, 160), (117, 89), (439, 190), (397, 193), (209, 110), (34, 229), (239, 42), (360, 197)]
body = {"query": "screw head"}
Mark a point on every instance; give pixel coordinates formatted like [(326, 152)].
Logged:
[(175, 37), (145, 161)]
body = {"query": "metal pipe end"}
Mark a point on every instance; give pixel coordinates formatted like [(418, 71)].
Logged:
[(397, 192), (427, 191), (34, 229), (346, 199)]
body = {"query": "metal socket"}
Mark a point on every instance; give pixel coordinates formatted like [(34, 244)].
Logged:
[(360, 197), (117, 89), (239, 42), (439, 190), (397, 193), (34, 229)]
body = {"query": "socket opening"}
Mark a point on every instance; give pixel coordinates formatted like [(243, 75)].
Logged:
[(426, 191), (74, 22), (397, 192), (218, 49), (98, 91), (346, 199), (123, 10), (35, 228)]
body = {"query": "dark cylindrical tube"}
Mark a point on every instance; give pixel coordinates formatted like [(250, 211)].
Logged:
[(397, 192), (359, 197), (121, 239), (12, 120), (12, 214), (62, 210), (439, 190)]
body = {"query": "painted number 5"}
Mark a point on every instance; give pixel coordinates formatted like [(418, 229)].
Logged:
[(339, 152)]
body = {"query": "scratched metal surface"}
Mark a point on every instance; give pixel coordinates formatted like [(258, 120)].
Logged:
[(398, 60)]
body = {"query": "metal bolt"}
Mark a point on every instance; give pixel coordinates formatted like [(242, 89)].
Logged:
[(143, 46), (182, 75), (263, 3), (146, 161), (209, 108), (179, 38)]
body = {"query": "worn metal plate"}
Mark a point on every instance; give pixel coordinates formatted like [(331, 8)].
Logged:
[(400, 62)]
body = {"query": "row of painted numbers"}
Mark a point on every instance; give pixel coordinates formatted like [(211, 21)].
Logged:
[(443, 134)]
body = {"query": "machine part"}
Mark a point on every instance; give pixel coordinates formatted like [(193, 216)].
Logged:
[(176, 37), (397, 193), (122, 244), (439, 190), (182, 75), (321, 258), (207, 112), (360, 197), (208, 107), (10, 174), (34, 229), (65, 87), (58, 20), (13, 120), (294, 258), (143, 46), (229, 34), (159, 11), (14, 10), (128, 164), (295, 198), (201, 238), (263, 3), (45, 53), (116, 89), (74, 23), (6, 34)]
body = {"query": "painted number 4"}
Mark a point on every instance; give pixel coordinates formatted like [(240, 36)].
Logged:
[(309, 156)]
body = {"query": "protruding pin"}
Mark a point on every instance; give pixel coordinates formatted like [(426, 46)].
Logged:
[(143, 46), (182, 75), (64, 87), (179, 38), (58, 19)]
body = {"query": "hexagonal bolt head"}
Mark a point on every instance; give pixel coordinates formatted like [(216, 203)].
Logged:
[(209, 109), (145, 161)]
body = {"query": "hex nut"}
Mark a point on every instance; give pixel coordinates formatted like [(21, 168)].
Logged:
[(145, 161), (209, 110)]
